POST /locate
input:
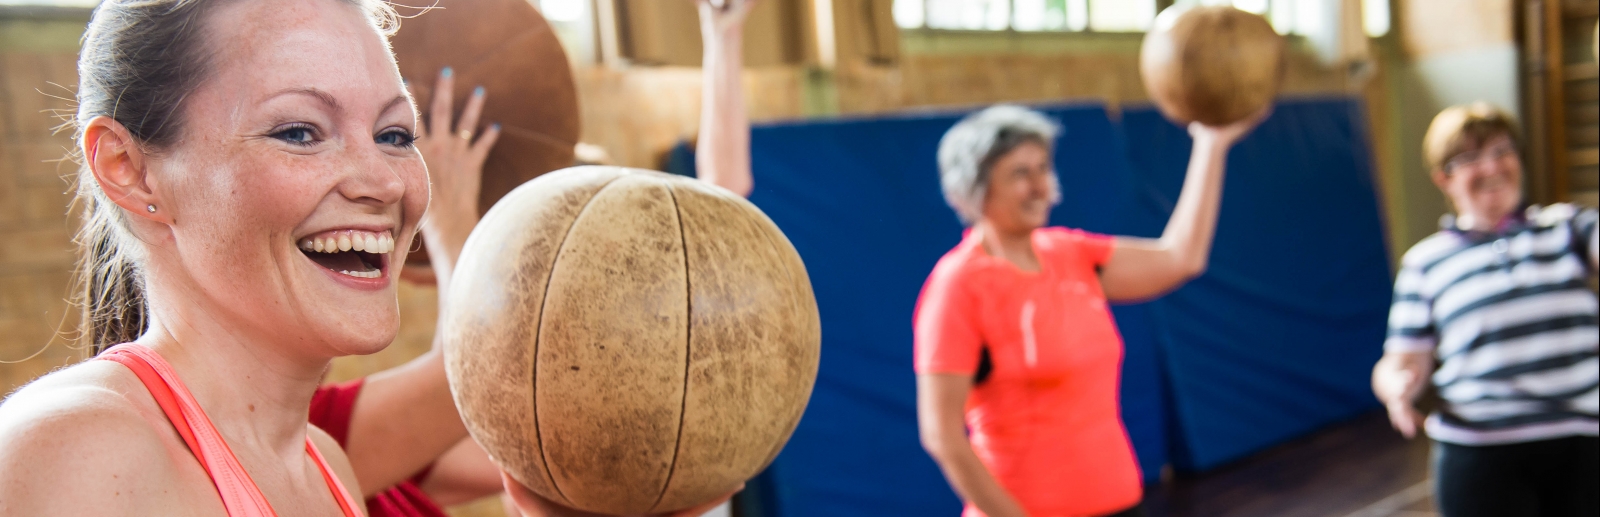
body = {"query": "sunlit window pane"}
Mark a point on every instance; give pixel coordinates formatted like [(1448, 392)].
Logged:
[(1254, 6), (945, 14), (562, 10), (969, 14), (1283, 15), (1121, 15), (908, 13), (1039, 15), (1077, 15), (996, 14), (1375, 17), (972, 14), (1055, 15), (1028, 15), (1308, 17)]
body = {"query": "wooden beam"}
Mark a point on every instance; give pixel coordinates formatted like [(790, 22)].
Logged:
[(1555, 102)]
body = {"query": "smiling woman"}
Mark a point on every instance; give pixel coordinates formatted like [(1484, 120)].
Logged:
[(249, 183)]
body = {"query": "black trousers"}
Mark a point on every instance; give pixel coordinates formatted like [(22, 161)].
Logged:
[(1136, 511), (1547, 478)]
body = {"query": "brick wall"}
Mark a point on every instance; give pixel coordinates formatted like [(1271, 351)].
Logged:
[(36, 252)]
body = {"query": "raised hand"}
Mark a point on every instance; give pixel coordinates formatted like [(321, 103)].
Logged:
[(1226, 136), (454, 155), (719, 16)]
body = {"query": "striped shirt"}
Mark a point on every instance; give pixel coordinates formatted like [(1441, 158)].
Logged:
[(1511, 323)]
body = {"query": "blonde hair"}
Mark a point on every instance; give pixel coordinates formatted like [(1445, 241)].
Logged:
[(138, 61), (1463, 128)]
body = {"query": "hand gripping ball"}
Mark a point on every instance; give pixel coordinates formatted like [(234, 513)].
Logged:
[(624, 341), (1211, 64)]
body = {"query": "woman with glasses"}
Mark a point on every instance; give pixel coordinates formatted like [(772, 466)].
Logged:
[(1493, 313)]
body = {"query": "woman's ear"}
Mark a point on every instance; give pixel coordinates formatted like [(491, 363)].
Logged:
[(118, 164)]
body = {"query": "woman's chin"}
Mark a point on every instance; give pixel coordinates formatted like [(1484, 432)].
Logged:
[(364, 340)]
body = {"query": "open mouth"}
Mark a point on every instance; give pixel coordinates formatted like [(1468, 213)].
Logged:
[(354, 253)]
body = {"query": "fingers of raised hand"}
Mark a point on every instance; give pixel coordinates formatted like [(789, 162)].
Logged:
[(469, 114), (480, 148), (443, 100), (725, 12)]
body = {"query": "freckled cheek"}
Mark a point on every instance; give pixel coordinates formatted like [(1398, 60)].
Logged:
[(282, 199), (417, 194)]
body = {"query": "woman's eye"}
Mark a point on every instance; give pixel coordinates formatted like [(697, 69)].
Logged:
[(295, 135), (397, 137)]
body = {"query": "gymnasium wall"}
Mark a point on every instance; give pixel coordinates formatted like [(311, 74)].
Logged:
[(36, 253)]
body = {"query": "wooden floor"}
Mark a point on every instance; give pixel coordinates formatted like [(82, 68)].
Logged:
[(1361, 468)]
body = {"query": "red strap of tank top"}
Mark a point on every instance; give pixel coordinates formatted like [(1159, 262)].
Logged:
[(240, 496)]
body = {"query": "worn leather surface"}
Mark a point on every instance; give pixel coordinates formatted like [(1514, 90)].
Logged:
[(1211, 64), (626, 341), (507, 47)]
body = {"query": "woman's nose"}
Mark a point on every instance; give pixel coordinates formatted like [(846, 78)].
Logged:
[(1039, 184), (372, 177)]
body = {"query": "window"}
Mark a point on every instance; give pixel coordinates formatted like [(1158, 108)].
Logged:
[(1375, 17), (1306, 17), (572, 21), (1026, 15), (563, 11)]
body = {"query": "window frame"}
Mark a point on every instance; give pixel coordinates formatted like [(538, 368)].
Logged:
[(1011, 20)]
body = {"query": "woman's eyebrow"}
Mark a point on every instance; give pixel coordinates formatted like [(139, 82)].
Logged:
[(398, 100), (326, 98)]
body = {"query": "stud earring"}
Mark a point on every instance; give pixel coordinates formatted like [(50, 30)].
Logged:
[(150, 208)]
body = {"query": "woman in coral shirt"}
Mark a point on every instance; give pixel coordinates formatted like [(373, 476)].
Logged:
[(1014, 340)]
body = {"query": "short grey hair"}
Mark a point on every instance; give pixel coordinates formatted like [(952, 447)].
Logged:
[(970, 147)]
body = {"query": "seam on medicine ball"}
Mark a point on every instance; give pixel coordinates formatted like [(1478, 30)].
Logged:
[(538, 434), (688, 345)]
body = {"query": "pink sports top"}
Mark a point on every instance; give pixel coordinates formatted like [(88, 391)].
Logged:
[(240, 496)]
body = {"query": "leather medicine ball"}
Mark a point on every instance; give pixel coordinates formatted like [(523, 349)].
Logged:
[(1211, 64), (625, 341)]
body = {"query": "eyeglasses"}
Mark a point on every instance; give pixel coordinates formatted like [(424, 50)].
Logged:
[(1474, 158)]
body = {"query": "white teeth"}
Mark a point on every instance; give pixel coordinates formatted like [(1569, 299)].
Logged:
[(350, 240), (363, 274)]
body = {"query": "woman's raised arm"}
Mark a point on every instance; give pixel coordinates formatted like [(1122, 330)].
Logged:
[(1140, 268), (723, 151)]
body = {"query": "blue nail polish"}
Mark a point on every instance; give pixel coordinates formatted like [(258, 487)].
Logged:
[(447, 72), (478, 91), (495, 126)]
